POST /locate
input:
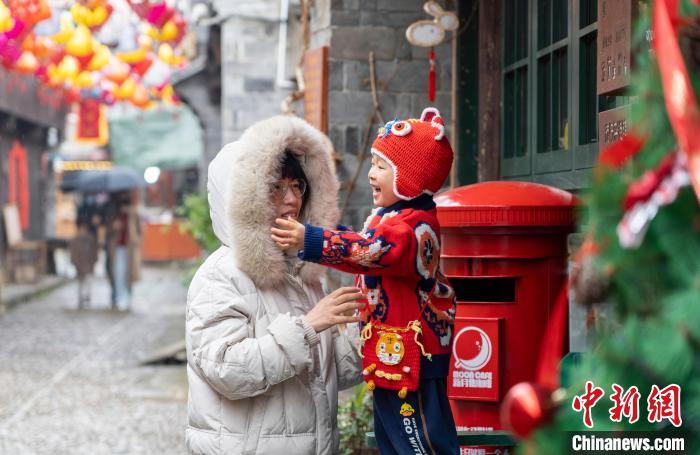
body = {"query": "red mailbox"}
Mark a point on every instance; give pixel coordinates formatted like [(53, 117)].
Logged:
[(504, 249)]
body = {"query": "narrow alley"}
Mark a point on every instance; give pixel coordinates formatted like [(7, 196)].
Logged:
[(77, 376)]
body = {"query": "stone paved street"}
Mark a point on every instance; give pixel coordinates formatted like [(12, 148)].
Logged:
[(70, 380)]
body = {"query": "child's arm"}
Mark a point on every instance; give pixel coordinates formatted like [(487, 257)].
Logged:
[(386, 249)]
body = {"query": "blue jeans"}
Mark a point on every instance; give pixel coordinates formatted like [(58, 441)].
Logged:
[(122, 288)]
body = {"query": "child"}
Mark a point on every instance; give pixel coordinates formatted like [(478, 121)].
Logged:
[(83, 254), (409, 314)]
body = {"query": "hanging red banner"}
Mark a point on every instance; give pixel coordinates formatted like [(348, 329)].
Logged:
[(679, 95), (18, 191), (92, 123)]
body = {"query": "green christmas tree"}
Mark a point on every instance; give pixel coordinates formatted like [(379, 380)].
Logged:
[(641, 256)]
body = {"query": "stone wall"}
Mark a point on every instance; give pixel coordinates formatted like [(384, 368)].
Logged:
[(195, 93), (250, 37), (353, 28)]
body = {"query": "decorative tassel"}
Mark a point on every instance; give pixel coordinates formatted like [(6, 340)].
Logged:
[(415, 326), (431, 75), (365, 335)]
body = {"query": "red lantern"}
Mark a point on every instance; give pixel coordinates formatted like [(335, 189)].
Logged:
[(72, 95), (159, 14), (27, 63), (29, 11), (141, 67), (526, 407)]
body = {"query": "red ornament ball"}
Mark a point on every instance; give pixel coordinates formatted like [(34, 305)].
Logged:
[(526, 407)]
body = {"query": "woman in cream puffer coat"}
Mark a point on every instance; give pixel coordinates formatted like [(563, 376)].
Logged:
[(261, 379)]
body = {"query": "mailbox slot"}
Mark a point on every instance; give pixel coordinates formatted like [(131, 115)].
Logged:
[(484, 289)]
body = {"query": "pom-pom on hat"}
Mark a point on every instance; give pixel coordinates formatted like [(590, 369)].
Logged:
[(418, 151)]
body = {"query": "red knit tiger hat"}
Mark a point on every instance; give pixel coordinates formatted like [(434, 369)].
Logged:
[(418, 151)]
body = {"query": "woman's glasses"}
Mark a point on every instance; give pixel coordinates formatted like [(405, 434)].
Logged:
[(279, 190)]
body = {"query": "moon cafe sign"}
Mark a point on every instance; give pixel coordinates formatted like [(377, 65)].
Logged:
[(474, 367)]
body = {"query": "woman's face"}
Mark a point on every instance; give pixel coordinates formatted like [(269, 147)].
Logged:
[(287, 196)]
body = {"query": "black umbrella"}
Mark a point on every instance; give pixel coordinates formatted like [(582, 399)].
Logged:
[(111, 180)]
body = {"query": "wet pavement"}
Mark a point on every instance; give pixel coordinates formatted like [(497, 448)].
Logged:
[(70, 380)]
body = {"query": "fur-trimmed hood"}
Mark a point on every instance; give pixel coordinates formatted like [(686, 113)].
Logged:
[(240, 178)]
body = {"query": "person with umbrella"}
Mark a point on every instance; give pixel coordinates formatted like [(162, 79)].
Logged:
[(122, 245), (123, 231), (83, 255)]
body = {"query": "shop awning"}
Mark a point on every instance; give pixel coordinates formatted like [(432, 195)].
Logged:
[(168, 137)]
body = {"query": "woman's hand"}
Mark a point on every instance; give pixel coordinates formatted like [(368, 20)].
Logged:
[(289, 235), (332, 309)]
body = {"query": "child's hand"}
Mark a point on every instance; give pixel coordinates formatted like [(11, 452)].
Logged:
[(289, 235)]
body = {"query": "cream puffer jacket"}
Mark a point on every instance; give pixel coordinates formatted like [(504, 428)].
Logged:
[(260, 380)]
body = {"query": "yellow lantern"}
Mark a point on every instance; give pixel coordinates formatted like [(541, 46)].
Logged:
[(54, 80), (152, 33), (117, 72), (126, 90), (100, 59), (84, 80), (6, 21), (66, 32), (79, 14), (99, 15), (168, 95), (27, 63), (140, 97), (169, 31), (165, 53), (80, 44), (134, 56), (68, 69)]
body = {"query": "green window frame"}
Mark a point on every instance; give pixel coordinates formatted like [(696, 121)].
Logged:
[(550, 108)]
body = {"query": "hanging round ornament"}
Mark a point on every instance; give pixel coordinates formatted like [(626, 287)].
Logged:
[(430, 33), (528, 406)]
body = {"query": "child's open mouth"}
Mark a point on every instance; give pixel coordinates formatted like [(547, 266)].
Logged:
[(376, 192)]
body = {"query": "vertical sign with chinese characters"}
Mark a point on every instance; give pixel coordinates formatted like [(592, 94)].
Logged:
[(91, 126), (615, 62), (614, 38), (316, 87), (612, 125)]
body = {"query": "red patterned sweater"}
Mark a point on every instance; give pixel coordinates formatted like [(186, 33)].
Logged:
[(396, 257)]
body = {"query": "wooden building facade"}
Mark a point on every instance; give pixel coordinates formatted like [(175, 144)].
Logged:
[(31, 117), (537, 80)]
